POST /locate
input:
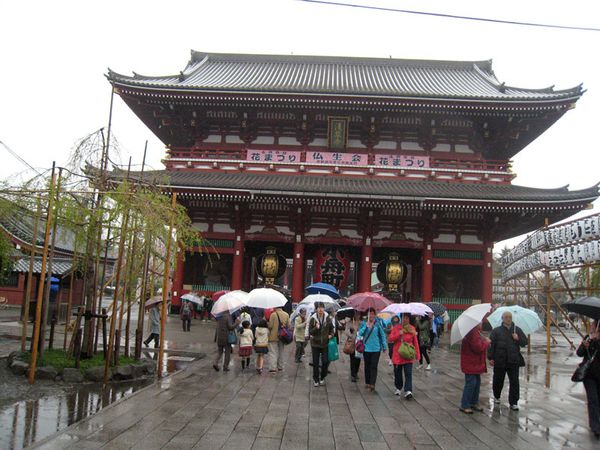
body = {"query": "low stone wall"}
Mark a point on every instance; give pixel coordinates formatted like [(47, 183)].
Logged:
[(93, 374)]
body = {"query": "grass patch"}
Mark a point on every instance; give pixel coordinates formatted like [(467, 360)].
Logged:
[(59, 360)]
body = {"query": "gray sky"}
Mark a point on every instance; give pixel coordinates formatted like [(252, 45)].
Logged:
[(55, 55)]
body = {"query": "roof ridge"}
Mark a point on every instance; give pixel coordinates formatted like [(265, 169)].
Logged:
[(332, 59)]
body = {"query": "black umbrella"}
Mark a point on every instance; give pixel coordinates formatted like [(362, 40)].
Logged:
[(344, 313), (438, 308), (587, 306)]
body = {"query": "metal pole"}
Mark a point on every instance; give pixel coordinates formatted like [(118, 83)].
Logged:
[(40, 293), (25, 317), (163, 315), (548, 306)]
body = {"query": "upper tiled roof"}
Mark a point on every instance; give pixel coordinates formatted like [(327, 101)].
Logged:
[(59, 266), (325, 75), (383, 189)]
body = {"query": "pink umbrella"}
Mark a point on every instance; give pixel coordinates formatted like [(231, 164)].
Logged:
[(367, 300)]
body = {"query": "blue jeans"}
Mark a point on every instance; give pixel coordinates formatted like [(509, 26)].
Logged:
[(470, 395), (407, 382)]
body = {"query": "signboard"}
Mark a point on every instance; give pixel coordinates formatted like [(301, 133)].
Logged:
[(280, 156), (337, 158), (332, 266), (338, 132), (407, 161)]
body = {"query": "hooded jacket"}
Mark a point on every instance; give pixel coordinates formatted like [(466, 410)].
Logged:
[(319, 336)]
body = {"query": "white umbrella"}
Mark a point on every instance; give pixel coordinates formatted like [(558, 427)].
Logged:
[(526, 319), (265, 298), (309, 301), (153, 301), (231, 301), (193, 298), (415, 308), (468, 320)]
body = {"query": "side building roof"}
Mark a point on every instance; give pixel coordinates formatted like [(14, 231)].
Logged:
[(343, 76)]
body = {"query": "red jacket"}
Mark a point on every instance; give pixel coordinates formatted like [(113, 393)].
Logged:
[(473, 353), (397, 339)]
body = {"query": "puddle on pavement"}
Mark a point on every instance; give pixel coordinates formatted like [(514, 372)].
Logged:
[(29, 421)]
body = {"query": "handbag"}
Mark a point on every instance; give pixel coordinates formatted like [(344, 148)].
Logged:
[(407, 351), (284, 333), (360, 343), (333, 354), (349, 346), (231, 337), (582, 369)]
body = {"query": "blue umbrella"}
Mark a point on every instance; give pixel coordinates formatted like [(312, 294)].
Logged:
[(526, 319), (323, 288), (54, 280)]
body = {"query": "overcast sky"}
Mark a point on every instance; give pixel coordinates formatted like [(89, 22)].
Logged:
[(55, 55)]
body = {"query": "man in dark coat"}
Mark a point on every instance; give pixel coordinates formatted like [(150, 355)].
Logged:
[(505, 357), (320, 329), (225, 324)]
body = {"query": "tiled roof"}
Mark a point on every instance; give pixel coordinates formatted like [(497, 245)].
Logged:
[(354, 187), (21, 224), (59, 266), (326, 75)]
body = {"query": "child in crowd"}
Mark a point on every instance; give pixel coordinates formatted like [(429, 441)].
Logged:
[(246, 338), (261, 346)]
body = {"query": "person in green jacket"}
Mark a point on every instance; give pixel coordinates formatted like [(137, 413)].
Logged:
[(321, 331)]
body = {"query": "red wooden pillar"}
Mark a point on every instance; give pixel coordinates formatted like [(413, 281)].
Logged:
[(177, 288), (298, 271), (427, 272), (366, 264), (237, 271), (487, 278)]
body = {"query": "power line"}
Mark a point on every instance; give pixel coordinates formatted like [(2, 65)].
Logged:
[(19, 158), (452, 16)]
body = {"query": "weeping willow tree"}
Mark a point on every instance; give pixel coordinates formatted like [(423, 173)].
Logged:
[(95, 213)]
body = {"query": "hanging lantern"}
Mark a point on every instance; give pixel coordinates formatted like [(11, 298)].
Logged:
[(270, 265), (392, 272)]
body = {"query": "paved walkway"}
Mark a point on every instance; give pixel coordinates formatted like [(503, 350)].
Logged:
[(201, 409)]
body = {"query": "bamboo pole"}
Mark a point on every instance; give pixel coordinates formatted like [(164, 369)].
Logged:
[(46, 303), (102, 286), (163, 315), (25, 317), (69, 306), (139, 332), (40, 292), (113, 316)]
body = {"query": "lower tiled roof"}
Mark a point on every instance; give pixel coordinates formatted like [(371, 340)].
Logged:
[(355, 187)]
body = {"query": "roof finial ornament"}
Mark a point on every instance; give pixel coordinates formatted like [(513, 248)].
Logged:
[(181, 76), (502, 87)]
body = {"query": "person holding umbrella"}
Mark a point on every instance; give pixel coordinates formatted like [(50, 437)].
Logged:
[(154, 325), (472, 363), (352, 327), (321, 331), (225, 325), (505, 357), (405, 354), (591, 382), (373, 338)]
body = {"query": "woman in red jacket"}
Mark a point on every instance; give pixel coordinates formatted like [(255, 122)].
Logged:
[(401, 333), (472, 363)]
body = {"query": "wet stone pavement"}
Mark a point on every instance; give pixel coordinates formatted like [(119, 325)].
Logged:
[(198, 408)]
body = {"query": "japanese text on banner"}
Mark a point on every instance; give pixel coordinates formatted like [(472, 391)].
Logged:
[(280, 156)]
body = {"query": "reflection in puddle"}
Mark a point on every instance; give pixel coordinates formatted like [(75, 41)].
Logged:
[(31, 420)]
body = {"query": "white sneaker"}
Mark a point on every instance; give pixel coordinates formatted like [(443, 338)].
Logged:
[(322, 383), (496, 401), (316, 384), (420, 366), (398, 392), (428, 367), (514, 407), (408, 395)]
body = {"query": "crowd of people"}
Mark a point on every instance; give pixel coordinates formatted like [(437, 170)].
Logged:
[(406, 340)]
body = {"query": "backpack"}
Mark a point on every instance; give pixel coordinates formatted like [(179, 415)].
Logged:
[(187, 311), (284, 333)]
